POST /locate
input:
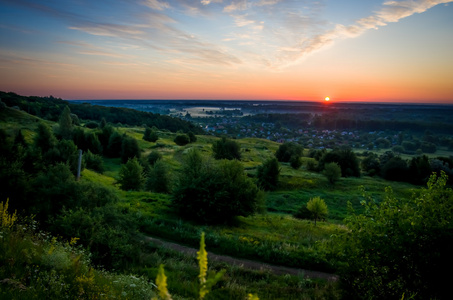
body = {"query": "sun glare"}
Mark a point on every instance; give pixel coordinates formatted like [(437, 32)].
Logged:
[(327, 99)]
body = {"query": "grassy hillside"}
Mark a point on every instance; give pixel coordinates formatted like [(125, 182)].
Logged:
[(117, 228)]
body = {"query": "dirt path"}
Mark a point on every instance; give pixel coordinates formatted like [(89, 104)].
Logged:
[(250, 264)]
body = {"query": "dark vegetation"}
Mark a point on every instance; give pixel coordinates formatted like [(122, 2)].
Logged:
[(391, 244), (50, 108)]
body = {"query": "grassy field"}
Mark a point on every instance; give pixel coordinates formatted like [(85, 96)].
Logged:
[(274, 237)]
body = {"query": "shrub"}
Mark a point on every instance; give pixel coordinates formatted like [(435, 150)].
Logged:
[(92, 125), (129, 149), (346, 159), (332, 171), (317, 208), (286, 151), (94, 162), (131, 175), (192, 137), (400, 246), (295, 162), (150, 135), (268, 174), (302, 213), (158, 179), (153, 157), (226, 149), (182, 139)]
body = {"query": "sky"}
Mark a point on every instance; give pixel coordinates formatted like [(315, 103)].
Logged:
[(350, 50)]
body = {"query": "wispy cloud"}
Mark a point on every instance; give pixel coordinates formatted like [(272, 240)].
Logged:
[(236, 5), (156, 5), (390, 12)]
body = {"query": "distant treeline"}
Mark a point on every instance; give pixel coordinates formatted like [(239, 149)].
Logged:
[(50, 108), (331, 122), (351, 121)]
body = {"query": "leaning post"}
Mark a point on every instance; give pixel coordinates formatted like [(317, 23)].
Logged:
[(79, 165)]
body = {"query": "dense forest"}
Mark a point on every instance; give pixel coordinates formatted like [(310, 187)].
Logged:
[(379, 224)]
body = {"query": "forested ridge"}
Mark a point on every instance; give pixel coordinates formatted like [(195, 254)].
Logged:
[(50, 108)]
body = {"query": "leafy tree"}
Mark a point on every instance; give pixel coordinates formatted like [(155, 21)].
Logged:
[(103, 123), (395, 169), (182, 139), (295, 162), (213, 192), (19, 139), (131, 175), (115, 144), (287, 151), (53, 189), (150, 135), (400, 246), (428, 147), (419, 170), (268, 174), (192, 137), (371, 164), (158, 178), (332, 171), (44, 139), (129, 149), (92, 125), (153, 157), (317, 208), (93, 161), (65, 125), (226, 149), (346, 159), (398, 149), (92, 143)]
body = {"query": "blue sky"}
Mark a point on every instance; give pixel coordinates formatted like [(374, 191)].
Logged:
[(241, 49)]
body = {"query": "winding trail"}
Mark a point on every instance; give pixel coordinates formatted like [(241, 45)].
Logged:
[(245, 263)]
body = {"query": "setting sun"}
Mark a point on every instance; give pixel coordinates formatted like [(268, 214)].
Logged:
[(327, 99)]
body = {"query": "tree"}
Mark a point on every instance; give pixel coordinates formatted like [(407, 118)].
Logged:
[(65, 125), (346, 159), (286, 151), (395, 169), (158, 178), (295, 162), (192, 137), (94, 161), (131, 175), (400, 246), (268, 174), (226, 149), (182, 139), (370, 164), (150, 135), (213, 192), (129, 149), (317, 208), (153, 157), (115, 143), (332, 171), (44, 139)]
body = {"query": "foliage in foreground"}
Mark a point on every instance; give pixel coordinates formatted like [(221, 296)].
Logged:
[(401, 247), (35, 265)]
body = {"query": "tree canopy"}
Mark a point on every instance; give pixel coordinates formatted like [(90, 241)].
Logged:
[(401, 247)]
